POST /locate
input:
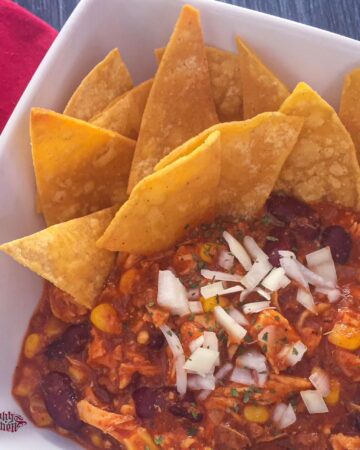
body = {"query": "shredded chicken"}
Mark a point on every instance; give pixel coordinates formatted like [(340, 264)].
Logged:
[(342, 442)]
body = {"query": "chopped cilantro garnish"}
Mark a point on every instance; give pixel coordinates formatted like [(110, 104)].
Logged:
[(277, 318), (272, 238), (195, 414), (265, 336), (201, 265), (169, 332), (193, 285), (192, 431), (247, 396), (236, 408), (151, 304), (265, 348), (248, 338), (159, 440), (146, 447), (234, 392), (294, 351), (266, 219)]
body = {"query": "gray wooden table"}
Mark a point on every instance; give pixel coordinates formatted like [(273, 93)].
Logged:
[(339, 16)]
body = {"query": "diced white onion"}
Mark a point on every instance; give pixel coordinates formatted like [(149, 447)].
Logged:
[(275, 280), (252, 359), (256, 307), (285, 282), (287, 254), (288, 418), (196, 307), (278, 412), (296, 353), (172, 294), (242, 376), (220, 276), (226, 260), (321, 381), (260, 378), (223, 371), (238, 316), (322, 263), (193, 294), (201, 362), (204, 394), (181, 375), (196, 343), (173, 340), (237, 250), (314, 402), (315, 279), (333, 295), (211, 290), (306, 299), (233, 329), (257, 272), (196, 382), (263, 293), (211, 341), (253, 249), (293, 271)]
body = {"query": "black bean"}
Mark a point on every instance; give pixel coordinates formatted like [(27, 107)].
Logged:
[(102, 393), (279, 238), (145, 401), (156, 340), (61, 399), (186, 411), (300, 216), (339, 241), (73, 340)]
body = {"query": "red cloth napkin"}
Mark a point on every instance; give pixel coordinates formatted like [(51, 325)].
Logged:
[(24, 40)]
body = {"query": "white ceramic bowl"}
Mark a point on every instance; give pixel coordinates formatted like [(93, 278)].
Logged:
[(295, 52)]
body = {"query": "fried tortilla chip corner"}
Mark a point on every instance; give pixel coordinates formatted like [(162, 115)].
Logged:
[(106, 81), (349, 112), (262, 89), (66, 255), (323, 164), (180, 103), (164, 203)]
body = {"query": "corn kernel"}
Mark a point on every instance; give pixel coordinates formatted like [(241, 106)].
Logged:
[(208, 252), (128, 280), (77, 374), (208, 304), (345, 336), (256, 413), (96, 440), (39, 412), (127, 410), (334, 394), (32, 345), (105, 318), (143, 337)]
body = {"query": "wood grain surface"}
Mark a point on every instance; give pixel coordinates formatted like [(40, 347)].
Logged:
[(339, 16)]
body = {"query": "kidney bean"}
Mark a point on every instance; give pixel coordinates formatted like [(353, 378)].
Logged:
[(339, 241), (156, 340), (145, 400), (300, 216), (73, 340), (60, 399), (279, 238)]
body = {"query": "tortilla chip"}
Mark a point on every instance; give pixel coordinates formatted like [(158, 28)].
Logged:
[(262, 90), (180, 103), (164, 203), (323, 164), (252, 155), (66, 255), (350, 107), (109, 79), (79, 168), (225, 78), (124, 114)]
